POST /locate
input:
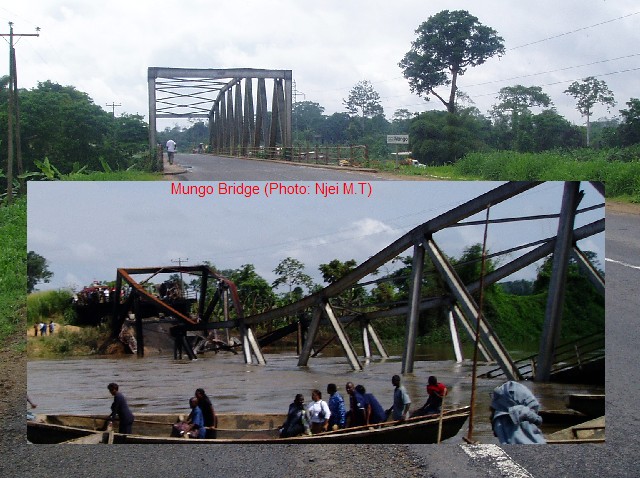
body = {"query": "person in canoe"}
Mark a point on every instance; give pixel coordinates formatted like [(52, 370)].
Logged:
[(433, 405), (297, 421), (514, 414), (319, 413), (338, 416), (373, 411), (120, 409), (208, 413)]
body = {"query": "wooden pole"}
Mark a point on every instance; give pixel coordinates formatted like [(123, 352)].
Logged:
[(477, 340)]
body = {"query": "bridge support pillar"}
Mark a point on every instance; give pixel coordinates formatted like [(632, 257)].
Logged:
[(557, 283), (417, 267), (376, 340), (471, 310), (454, 337)]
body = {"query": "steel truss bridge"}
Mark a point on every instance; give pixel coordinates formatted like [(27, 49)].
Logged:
[(239, 118), (462, 307)]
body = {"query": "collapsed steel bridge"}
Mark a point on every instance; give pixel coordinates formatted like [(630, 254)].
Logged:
[(462, 307)]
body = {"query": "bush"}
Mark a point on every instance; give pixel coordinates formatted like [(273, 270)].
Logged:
[(48, 304)]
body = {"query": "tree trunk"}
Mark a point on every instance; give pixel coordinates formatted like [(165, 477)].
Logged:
[(451, 106)]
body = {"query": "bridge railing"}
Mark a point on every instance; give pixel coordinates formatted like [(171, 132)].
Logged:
[(346, 156), (567, 356)]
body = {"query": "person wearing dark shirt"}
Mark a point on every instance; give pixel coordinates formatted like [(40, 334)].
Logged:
[(120, 409), (208, 412), (356, 413), (297, 421), (373, 411)]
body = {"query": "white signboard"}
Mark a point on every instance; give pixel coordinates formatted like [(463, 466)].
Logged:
[(397, 139)]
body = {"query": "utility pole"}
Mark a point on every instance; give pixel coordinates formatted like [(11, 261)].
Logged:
[(13, 110), (113, 108), (179, 260), (295, 94)]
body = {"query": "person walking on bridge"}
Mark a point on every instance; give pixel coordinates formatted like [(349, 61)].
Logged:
[(171, 150)]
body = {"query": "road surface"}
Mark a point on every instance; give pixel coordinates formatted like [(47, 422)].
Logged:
[(619, 457), (204, 167)]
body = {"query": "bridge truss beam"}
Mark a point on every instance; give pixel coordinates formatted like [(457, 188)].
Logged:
[(216, 94)]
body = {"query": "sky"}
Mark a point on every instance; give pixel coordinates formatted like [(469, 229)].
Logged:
[(105, 48), (86, 230)]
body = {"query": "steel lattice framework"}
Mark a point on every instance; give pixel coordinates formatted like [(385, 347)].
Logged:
[(238, 119)]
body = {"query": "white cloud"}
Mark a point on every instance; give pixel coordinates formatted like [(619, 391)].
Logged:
[(105, 49)]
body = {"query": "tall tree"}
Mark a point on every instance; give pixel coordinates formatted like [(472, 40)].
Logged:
[(447, 44), (364, 100), (516, 102), (290, 272), (37, 270), (588, 92)]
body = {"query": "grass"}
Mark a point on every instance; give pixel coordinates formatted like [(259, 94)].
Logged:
[(619, 169), (13, 267)]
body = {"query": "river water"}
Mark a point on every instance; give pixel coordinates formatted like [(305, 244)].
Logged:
[(161, 384)]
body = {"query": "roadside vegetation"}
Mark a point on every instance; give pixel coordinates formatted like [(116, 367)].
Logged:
[(13, 273)]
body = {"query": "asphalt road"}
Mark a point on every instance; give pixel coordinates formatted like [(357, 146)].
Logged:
[(204, 167), (619, 457)]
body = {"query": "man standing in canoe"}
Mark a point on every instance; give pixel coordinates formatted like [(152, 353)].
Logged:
[(120, 409), (401, 400)]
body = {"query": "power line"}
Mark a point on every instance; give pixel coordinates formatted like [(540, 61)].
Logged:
[(572, 31)]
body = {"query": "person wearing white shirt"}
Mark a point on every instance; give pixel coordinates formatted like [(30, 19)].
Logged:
[(319, 413), (171, 150)]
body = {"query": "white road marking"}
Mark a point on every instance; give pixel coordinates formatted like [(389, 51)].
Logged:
[(621, 263), (493, 455)]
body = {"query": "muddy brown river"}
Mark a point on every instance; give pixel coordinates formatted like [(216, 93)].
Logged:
[(162, 384)]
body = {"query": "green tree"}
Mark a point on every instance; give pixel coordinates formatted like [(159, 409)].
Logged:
[(629, 130), (335, 127), (588, 93), (63, 124), (37, 270), (336, 270), (290, 273), (364, 100), (446, 45), (514, 110), (438, 137), (307, 119), (254, 291), (552, 131)]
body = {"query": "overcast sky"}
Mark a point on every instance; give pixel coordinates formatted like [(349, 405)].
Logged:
[(86, 230), (105, 48)]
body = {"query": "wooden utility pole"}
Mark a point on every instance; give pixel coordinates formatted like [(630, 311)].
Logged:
[(113, 108), (13, 112)]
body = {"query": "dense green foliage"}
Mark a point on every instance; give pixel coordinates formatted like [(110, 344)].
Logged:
[(448, 43), (37, 270), (50, 305), (13, 266), (65, 125), (619, 169)]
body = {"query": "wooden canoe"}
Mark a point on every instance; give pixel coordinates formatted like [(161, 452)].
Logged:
[(591, 405), (247, 428), (592, 431)]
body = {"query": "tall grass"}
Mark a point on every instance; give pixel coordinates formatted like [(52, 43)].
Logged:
[(48, 304), (619, 171), (13, 266)]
